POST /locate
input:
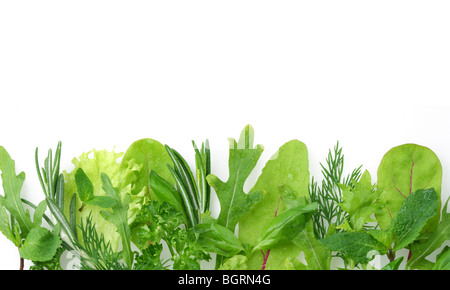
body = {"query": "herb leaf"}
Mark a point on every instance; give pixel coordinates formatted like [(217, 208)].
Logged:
[(403, 170), (417, 209), (360, 247), (234, 202)]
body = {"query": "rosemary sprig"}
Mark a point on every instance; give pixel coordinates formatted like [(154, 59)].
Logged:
[(328, 195), (195, 192), (52, 183)]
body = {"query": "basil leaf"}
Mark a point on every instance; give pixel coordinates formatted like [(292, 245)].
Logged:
[(284, 227), (218, 239)]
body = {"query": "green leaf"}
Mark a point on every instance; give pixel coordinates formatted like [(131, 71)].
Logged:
[(360, 201), (40, 245), (234, 202), (284, 227), (360, 247), (118, 217), (421, 250), (443, 260), (317, 256), (165, 191), (394, 265), (284, 180), (6, 228), (143, 156), (238, 262), (12, 185), (402, 171), (102, 201), (218, 239), (85, 189), (417, 209)]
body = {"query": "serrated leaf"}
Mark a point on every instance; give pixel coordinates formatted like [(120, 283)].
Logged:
[(360, 247), (417, 209), (360, 201), (420, 251), (234, 202)]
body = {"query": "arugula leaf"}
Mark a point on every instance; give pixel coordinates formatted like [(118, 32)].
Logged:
[(403, 170), (12, 185), (118, 217), (443, 260), (234, 202)]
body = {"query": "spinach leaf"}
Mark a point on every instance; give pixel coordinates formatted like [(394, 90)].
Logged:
[(284, 181)]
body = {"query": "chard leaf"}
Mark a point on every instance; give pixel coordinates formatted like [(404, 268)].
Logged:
[(360, 247), (317, 256), (234, 202), (12, 185), (403, 170), (284, 180), (420, 251), (417, 209), (284, 227), (40, 245)]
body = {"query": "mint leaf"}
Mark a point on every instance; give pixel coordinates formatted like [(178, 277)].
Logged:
[(85, 189), (360, 247), (40, 245), (234, 202), (417, 209), (420, 251)]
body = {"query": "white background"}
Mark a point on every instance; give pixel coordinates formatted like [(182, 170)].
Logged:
[(102, 74)]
